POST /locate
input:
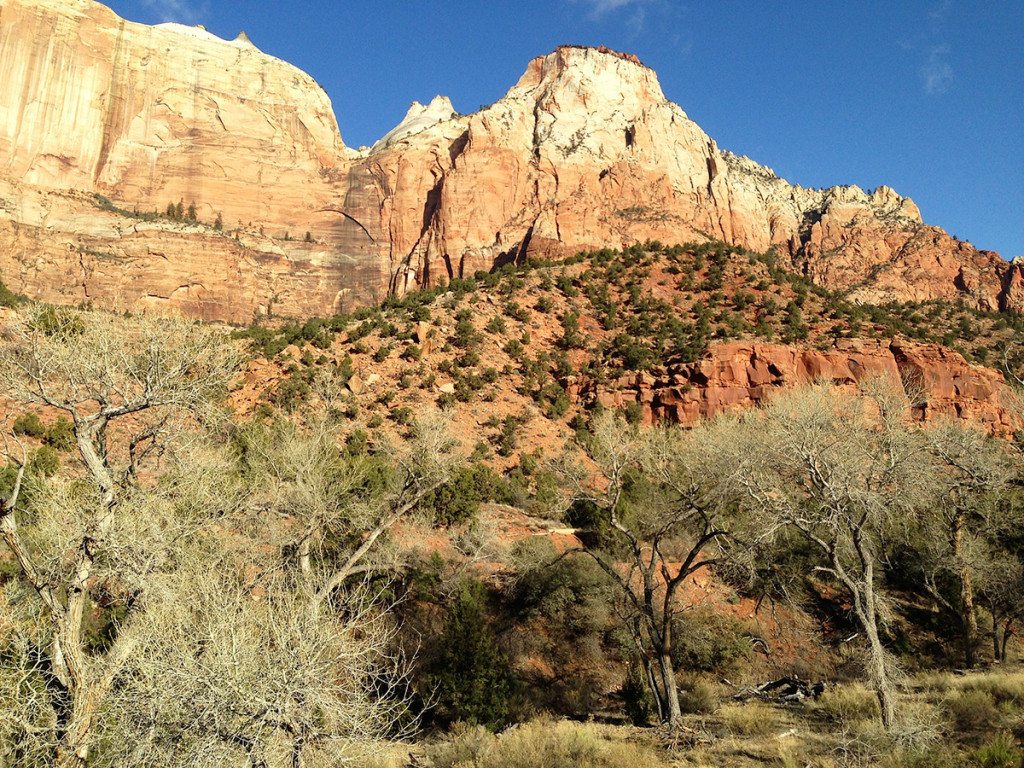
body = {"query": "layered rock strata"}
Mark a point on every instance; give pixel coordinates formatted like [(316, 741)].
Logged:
[(584, 151), (738, 375)]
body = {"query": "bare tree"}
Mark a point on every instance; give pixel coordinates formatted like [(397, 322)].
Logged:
[(209, 653), (661, 493), (973, 471), (842, 470), (271, 676), (121, 382), (1000, 582), (333, 507)]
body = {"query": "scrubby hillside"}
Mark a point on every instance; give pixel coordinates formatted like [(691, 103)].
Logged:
[(666, 333), (469, 489)]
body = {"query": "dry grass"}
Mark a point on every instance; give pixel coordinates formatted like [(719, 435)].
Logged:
[(753, 718), (946, 721), (547, 743), (846, 704), (971, 710)]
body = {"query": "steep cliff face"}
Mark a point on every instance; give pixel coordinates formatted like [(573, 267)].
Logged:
[(156, 114), (584, 151), (739, 375), (93, 105)]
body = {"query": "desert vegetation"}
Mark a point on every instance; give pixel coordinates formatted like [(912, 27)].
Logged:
[(412, 536)]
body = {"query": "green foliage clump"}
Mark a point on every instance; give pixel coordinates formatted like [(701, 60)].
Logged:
[(471, 675), (30, 425), (459, 499), (636, 696), (59, 435), (709, 641), (9, 298), (44, 462), (1001, 752)]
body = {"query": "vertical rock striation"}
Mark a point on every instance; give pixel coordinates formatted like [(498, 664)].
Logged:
[(584, 151)]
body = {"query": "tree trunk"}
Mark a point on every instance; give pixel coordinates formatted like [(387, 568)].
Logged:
[(73, 749), (997, 656), (1007, 634), (968, 616), (672, 711), (866, 609), (880, 678), (652, 681)]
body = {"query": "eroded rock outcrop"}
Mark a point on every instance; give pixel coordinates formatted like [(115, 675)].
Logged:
[(738, 375), (584, 151)]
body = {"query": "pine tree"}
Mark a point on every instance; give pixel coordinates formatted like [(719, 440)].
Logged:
[(472, 677), (171, 211), (218, 223), (179, 210), (192, 212), (309, 237)]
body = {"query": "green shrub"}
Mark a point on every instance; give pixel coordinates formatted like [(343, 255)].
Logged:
[(460, 498), (58, 321), (636, 696), (709, 641), (9, 298), (290, 393), (471, 677), (1001, 752), (44, 462), (30, 425)]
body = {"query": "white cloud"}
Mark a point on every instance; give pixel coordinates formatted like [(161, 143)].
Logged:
[(600, 8), (935, 69), (938, 14), (937, 72), (182, 11), (632, 13)]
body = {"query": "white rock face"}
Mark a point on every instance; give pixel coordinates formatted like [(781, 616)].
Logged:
[(417, 119), (583, 152)]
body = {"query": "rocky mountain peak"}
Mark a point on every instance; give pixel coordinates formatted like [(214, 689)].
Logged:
[(418, 118), (110, 122), (594, 74)]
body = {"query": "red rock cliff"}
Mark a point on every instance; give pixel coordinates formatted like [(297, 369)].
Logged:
[(738, 375), (584, 151)]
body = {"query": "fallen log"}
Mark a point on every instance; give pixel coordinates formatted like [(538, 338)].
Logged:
[(787, 689)]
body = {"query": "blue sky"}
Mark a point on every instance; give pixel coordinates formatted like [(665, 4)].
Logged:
[(927, 97)]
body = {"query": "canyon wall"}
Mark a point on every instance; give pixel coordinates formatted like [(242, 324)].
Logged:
[(738, 375), (104, 122)]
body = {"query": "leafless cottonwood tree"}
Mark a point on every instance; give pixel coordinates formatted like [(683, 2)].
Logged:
[(1000, 583), (974, 469), (209, 658), (121, 383), (662, 493), (333, 507), (276, 677), (842, 470)]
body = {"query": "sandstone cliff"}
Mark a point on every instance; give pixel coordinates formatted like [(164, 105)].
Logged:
[(584, 151), (739, 375)]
